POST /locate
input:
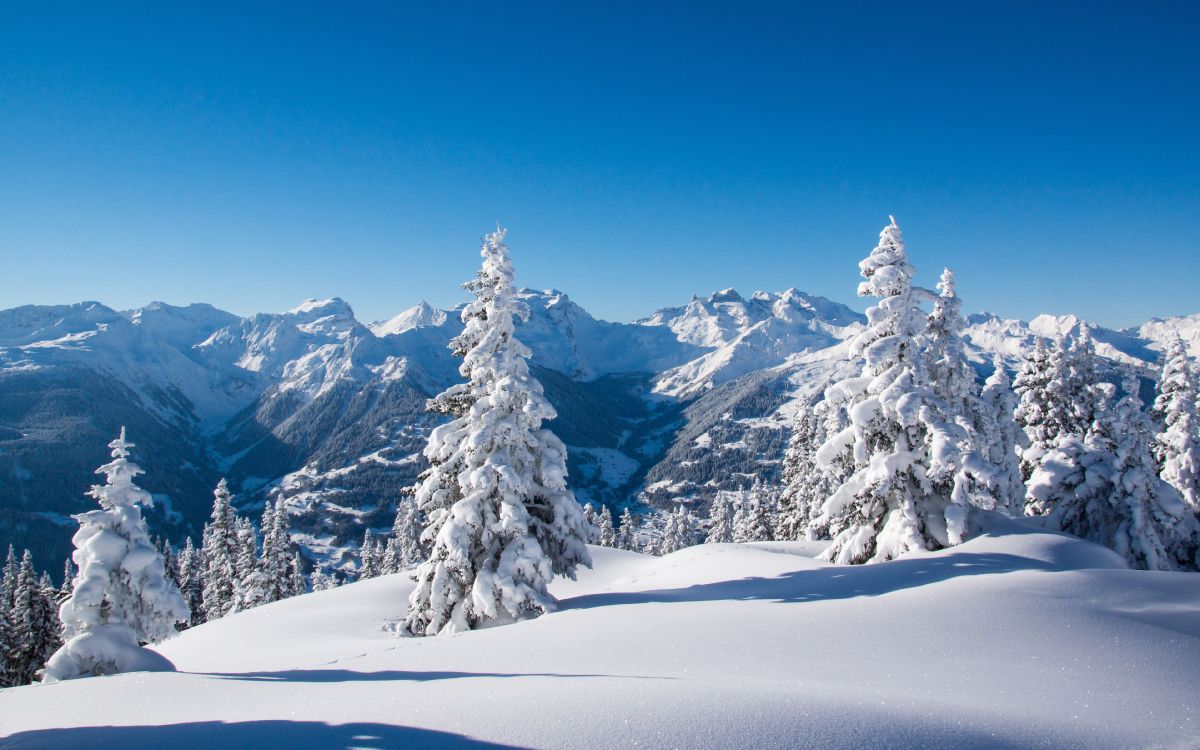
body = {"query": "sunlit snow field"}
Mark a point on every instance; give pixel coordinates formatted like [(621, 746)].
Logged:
[(1015, 639)]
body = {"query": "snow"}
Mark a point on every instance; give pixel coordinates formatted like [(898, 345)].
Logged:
[(1016, 639)]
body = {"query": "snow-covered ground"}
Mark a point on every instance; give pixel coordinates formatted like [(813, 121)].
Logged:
[(1015, 639)]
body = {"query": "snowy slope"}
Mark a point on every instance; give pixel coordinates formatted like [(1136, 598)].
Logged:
[(1020, 639)]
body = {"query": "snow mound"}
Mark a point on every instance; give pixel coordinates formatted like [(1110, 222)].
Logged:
[(1018, 638)]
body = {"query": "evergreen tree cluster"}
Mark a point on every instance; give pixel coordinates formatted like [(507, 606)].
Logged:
[(30, 631), (907, 454)]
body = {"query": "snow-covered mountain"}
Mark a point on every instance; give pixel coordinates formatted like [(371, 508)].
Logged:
[(1015, 639), (327, 412)]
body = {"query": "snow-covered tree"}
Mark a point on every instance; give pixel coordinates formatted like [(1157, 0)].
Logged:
[(121, 595), (680, 531), (1103, 487), (752, 520), (68, 576), (721, 514), (501, 520), (368, 560), (1002, 439), (604, 523), (275, 562), (805, 484), (191, 580), (902, 452), (219, 551), (296, 583), (590, 525), (406, 535), (322, 581), (35, 626), (247, 584), (627, 534), (1177, 447)]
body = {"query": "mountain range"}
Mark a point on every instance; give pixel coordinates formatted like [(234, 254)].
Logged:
[(328, 413)]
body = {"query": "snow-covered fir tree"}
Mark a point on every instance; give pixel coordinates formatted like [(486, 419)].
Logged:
[(219, 551), (1177, 447), (898, 434), (805, 484), (296, 583), (1002, 439), (68, 575), (627, 533), (501, 520), (721, 514), (679, 532), (752, 520), (247, 588), (589, 524), (1039, 412), (368, 558), (1102, 486), (322, 581), (122, 597), (607, 536), (275, 563), (191, 580), (406, 535), (34, 633)]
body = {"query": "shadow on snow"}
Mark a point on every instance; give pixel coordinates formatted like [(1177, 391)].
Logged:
[(835, 582), (208, 735)]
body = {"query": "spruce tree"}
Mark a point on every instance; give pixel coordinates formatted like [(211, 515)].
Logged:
[(249, 591), (1177, 447), (896, 421), (604, 523), (1003, 439), (721, 514), (627, 534), (191, 580), (590, 525), (296, 583), (676, 534), (122, 597), (219, 550), (752, 522), (406, 534), (368, 563), (1103, 487), (501, 520), (276, 553), (35, 625)]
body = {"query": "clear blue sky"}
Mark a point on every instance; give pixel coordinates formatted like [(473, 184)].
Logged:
[(639, 152)]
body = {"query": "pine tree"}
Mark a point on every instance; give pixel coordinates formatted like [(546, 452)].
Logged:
[(296, 583), (627, 534), (248, 585), (191, 580), (406, 533), (8, 638), (681, 532), (68, 576), (219, 550), (805, 485), (590, 525), (604, 523), (721, 514), (274, 566), (1103, 487), (1002, 439), (898, 422), (1035, 410), (501, 520), (34, 635), (1177, 447), (368, 563), (122, 597), (752, 521), (322, 581)]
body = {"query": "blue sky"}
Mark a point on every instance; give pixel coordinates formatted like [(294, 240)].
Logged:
[(639, 152)]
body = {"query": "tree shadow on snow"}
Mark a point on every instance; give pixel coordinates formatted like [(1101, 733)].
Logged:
[(837, 582), (210, 735), (347, 675)]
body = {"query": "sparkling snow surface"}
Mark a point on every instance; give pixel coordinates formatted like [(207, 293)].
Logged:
[(1016, 639)]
